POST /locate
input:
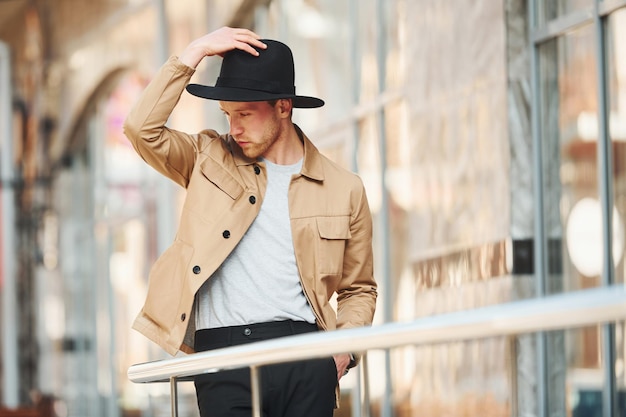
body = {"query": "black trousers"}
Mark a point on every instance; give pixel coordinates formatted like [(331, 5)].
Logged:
[(293, 389)]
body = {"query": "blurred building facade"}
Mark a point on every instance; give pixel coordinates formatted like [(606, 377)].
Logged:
[(489, 135)]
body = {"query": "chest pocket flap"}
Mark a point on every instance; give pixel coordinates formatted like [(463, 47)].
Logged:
[(334, 227), (220, 176)]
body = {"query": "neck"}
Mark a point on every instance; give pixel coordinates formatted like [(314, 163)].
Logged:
[(288, 148)]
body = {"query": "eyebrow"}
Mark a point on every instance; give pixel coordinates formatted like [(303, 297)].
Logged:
[(238, 109)]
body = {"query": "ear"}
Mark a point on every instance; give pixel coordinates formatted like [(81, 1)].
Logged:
[(285, 106)]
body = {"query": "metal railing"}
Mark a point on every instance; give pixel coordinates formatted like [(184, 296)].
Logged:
[(574, 309)]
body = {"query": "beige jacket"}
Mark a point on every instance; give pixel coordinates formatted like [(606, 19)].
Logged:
[(330, 219)]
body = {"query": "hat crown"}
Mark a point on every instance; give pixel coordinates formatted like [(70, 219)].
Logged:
[(271, 71)]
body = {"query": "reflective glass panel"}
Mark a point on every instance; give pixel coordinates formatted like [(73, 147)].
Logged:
[(572, 213), (395, 33), (366, 44), (318, 33), (553, 9), (447, 178), (616, 54)]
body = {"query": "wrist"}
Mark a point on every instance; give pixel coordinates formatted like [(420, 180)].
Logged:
[(191, 57), (353, 361)]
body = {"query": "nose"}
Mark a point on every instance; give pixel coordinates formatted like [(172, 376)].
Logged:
[(235, 127)]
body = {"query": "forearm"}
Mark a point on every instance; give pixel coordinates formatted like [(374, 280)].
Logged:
[(356, 299), (357, 292)]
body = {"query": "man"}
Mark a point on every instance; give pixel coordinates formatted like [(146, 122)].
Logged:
[(270, 228)]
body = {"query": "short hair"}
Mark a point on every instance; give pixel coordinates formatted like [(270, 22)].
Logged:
[(274, 101)]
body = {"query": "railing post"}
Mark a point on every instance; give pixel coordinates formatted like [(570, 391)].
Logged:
[(364, 382), (255, 385), (355, 396), (174, 396), (8, 279)]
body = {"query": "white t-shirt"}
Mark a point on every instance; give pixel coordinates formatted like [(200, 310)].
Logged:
[(259, 281)]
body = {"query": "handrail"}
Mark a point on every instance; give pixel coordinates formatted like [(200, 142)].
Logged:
[(573, 309)]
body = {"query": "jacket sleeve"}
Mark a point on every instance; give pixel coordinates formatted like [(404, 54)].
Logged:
[(357, 291), (170, 152)]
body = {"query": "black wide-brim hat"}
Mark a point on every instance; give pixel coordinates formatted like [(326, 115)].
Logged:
[(245, 77)]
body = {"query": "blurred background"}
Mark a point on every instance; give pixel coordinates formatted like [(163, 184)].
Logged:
[(490, 135)]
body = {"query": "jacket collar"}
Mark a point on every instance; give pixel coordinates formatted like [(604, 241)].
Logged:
[(311, 165)]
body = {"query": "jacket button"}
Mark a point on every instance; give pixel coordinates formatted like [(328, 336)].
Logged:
[(183, 317), (252, 199), (247, 331), (196, 269), (257, 170), (226, 234)]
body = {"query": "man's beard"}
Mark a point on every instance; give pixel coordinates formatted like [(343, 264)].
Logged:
[(254, 150)]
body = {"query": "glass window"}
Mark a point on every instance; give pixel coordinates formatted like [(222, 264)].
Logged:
[(616, 39), (333, 64), (318, 33), (395, 44), (616, 55), (337, 146), (553, 9), (573, 213), (572, 223), (399, 184), (366, 35), (368, 161)]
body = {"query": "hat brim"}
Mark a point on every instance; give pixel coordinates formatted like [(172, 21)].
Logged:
[(240, 94)]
